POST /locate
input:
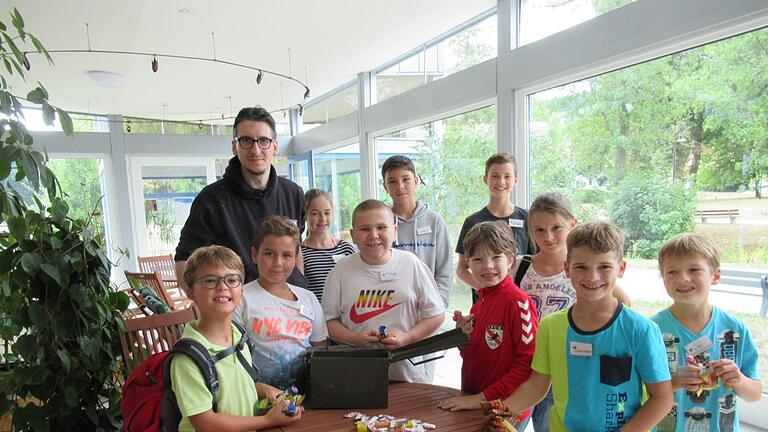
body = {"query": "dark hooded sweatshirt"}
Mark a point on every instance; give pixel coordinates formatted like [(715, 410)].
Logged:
[(227, 212)]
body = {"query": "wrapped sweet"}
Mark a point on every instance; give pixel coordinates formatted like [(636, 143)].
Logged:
[(498, 417)]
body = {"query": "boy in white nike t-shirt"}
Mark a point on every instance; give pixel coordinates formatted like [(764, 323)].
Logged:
[(381, 286)]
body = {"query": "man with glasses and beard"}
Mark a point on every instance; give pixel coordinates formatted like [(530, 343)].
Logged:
[(227, 211)]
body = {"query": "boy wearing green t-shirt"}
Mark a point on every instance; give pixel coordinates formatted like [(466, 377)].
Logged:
[(214, 281)]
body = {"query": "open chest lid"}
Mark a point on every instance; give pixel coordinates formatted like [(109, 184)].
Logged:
[(443, 341)]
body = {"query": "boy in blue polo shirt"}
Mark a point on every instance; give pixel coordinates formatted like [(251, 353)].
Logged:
[(597, 354), (711, 354)]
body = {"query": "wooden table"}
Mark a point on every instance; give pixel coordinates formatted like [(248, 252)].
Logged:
[(406, 400)]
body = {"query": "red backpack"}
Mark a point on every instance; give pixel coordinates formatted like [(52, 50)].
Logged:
[(149, 403)]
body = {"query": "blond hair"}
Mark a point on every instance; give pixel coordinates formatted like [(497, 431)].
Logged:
[(601, 237), (690, 244), (214, 255), (553, 203), (495, 236)]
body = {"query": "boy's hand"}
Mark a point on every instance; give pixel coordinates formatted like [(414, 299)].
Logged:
[(277, 417), (393, 341), (461, 403), (465, 323), (367, 337), (728, 371), (687, 377), (272, 392)]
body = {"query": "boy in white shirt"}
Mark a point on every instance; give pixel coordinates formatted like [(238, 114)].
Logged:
[(283, 320), (381, 286)]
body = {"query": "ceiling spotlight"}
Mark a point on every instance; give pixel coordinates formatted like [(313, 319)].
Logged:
[(200, 126), (185, 10), (259, 77), (155, 66), (306, 93), (128, 126)]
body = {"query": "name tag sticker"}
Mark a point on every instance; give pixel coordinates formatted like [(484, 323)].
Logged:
[(388, 276), (699, 346), (306, 312), (423, 230), (581, 349), (337, 257), (516, 223)]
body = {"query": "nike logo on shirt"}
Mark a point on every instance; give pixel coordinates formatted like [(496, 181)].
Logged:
[(359, 318), (370, 299)]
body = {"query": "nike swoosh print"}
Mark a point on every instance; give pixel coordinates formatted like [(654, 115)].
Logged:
[(363, 317)]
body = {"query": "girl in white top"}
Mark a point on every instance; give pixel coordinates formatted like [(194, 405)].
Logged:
[(549, 221), (321, 251)]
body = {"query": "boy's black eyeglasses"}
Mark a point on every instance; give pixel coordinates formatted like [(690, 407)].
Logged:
[(246, 142), (212, 282)]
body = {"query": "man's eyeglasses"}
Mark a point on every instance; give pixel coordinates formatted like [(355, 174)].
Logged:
[(212, 282), (246, 142)]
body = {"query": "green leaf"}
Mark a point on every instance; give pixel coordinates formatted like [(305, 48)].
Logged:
[(5, 169), (17, 226), (18, 22), (16, 53), (37, 314), (56, 243), (30, 262), (36, 96), (66, 122), (8, 67), (77, 292), (53, 272), (49, 113), (71, 396), (25, 346), (66, 360), (40, 48)]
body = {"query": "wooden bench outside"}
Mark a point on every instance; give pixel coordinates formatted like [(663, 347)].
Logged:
[(748, 283), (731, 214)]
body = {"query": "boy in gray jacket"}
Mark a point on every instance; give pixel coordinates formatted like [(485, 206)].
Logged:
[(419, 229)]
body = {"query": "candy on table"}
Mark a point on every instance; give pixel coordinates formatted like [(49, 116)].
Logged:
[(291, 394), (382, 331), (387, 423), (457, 315)]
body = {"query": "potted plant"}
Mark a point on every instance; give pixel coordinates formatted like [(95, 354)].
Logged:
[(59, 314)]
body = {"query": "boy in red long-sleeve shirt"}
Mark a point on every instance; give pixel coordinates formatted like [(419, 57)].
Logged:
[(502, 324)]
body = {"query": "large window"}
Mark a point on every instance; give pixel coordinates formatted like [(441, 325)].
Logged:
[(541, 18), (457, 52), (338, 104), (657, 145), (449, 155), (337, 172), (81, 181)]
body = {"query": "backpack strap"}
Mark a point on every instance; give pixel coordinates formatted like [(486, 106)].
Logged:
[(525, 262), (198, 353), (245, 341)]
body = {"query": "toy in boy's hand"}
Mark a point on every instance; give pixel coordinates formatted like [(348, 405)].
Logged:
[(705, 372), (291, 394), (465, 323), (382, 333), (498, 417)]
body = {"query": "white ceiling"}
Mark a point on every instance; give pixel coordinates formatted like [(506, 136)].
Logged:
[(330, 42)]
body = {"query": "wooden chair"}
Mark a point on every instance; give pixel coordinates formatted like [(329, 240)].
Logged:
[(155, 281), (152, 334), (163, 264)]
